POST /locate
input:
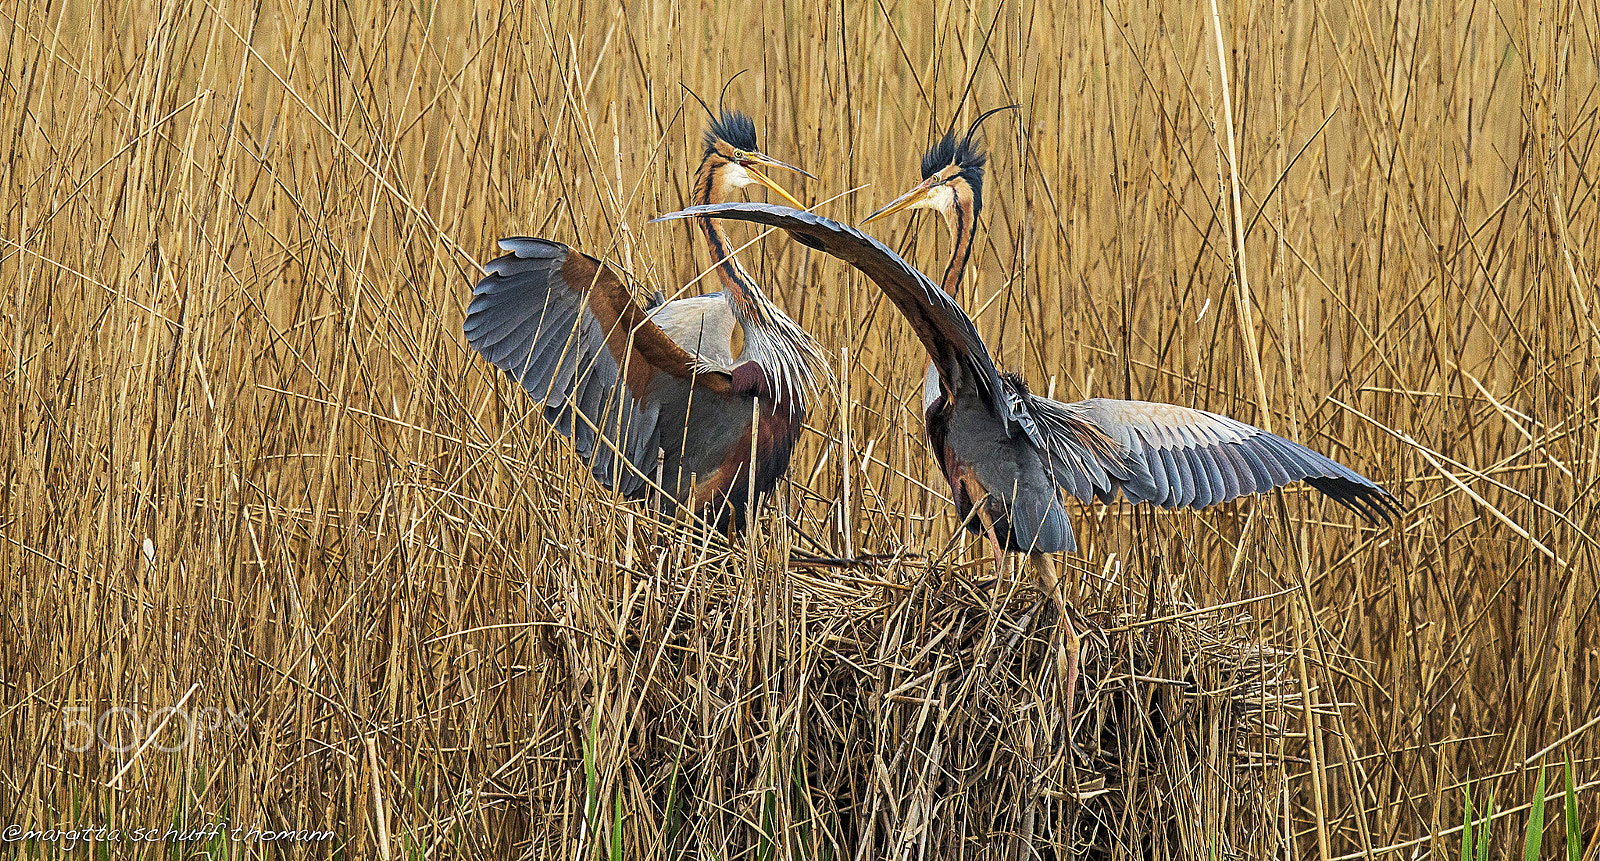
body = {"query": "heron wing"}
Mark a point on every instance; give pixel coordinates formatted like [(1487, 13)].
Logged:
[(958, 352), (702, 325), (567, 328), (1083, 460), (1175, 456)]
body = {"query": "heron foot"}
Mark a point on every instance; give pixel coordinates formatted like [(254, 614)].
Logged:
[(1069, 654)]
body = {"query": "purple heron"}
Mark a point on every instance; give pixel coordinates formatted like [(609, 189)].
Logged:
[(655, 394)]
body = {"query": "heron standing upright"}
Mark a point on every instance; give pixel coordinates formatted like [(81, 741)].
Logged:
[(632, 385), (1009, 455)]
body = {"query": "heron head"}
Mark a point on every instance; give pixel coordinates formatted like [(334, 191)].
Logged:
[(736, 161), (952, 175)]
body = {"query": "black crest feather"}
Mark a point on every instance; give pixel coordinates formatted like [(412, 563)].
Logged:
[(964, 153), (947, 151), (735, 128)]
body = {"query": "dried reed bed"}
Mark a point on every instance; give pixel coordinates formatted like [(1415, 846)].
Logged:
[(247, 450)]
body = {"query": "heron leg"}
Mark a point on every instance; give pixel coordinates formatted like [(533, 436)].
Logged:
[(994, 540), (1067, 657)]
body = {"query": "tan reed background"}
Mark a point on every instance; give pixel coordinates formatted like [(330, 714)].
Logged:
[(246, 446)]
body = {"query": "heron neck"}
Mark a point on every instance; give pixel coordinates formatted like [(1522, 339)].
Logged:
[(744, 297), (962, 219), (963, 222), (787, 353)]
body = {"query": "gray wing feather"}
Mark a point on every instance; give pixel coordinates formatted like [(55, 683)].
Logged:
[(1180, 456), (529, 322), (1188, 457), (1039, 523), (1232, 483), (1208, 486), (1173, 490), (1142, 485)]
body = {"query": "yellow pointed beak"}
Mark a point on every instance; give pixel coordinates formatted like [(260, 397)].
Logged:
[(770, 162), (905, 201)]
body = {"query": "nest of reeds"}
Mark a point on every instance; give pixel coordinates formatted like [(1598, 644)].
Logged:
[(735, 700)]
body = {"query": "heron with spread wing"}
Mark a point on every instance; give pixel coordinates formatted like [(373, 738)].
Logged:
[(654, 395), (1011, 456)]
